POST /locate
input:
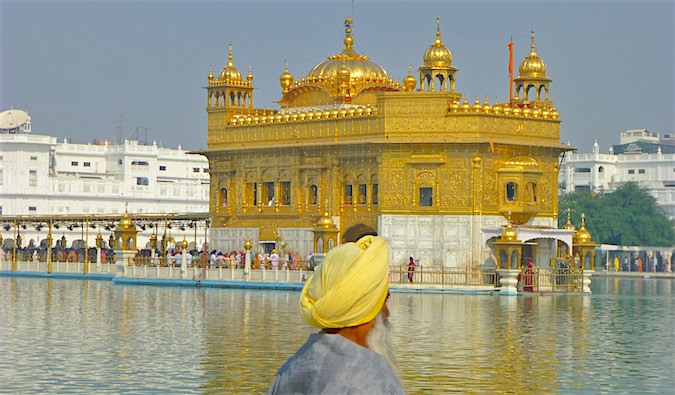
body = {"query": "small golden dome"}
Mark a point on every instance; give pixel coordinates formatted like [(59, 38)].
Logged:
[(545, 113), (465, 107), (476, 107), (210, 76), (582, 236), (126, 224), (516, 111), (249, 76), (486, 106), (438, 55), (509, 234), (497, 108), (184, 244), (229, 73), (527, 112), (325, 222), (532, 66), (553, 113), (409, 82), (569, 225), (248, 245), (507, 109)]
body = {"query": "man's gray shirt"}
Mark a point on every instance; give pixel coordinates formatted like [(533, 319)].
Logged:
[(333, 364)]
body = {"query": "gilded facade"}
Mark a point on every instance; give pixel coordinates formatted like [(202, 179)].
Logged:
[(415, 160)]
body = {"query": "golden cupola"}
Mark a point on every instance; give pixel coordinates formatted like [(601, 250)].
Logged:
[(532, 66), (582, 236), (438, 66), (229, 73), (532, 74), (438, 55), (286, 79), (359, 66)]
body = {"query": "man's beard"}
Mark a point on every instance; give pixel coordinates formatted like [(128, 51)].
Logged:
[(379, 340)]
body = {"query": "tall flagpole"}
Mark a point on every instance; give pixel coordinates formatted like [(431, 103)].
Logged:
[(511, 69)]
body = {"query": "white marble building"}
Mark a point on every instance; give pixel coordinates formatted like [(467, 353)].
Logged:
[(641, 156), (40, 175)]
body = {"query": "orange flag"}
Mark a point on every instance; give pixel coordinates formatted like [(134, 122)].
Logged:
[(492, 146)]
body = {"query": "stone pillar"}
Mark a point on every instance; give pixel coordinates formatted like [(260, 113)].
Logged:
[(509, 281)]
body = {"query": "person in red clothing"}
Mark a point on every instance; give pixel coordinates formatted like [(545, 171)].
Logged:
[(411, 269), (528, 277)]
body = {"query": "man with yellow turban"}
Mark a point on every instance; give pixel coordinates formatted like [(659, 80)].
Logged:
[(352, 354)]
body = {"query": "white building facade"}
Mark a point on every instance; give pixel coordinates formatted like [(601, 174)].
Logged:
[(642, 157), (42, 176)]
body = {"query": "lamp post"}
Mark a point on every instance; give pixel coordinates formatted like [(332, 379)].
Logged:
[(16, 232), (247, 258), (86, 246), (99, 245), (49, 248)]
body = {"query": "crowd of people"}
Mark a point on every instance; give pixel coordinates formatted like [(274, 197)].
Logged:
[(229, 259), (33, 253)]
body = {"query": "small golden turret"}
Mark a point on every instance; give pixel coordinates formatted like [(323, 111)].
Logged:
[(249, 76), (210, 76), (286, 79), (409, 82)]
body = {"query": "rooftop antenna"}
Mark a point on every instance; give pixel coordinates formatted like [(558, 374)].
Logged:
[(141, 132), (119, 129)]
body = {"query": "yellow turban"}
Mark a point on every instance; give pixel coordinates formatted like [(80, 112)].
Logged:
[(349, 288)]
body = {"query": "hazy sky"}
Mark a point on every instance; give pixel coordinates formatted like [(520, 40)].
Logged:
[(77, 66)]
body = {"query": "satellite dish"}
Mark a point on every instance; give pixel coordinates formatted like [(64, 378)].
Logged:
[(14, 119)]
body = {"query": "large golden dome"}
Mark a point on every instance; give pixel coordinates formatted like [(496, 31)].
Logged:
[(438, 55), (359, 66), (532, 66), (229, 73)]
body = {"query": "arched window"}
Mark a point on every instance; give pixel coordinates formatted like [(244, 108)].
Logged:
[(313, 194), (511, 191), (348, 194), (601, 169), (531, 192), (223, 197)]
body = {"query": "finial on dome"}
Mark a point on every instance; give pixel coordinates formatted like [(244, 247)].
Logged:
[(210, 76), (229, 58), (249, 76), (286, 64), (532, 45), (349, 41)]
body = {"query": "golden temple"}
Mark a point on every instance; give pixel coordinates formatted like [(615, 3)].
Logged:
[(417, 161)]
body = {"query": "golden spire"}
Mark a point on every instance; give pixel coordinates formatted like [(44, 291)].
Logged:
[(249, 76), (349, 41), (229, 58), (569, 225), (210, 76)]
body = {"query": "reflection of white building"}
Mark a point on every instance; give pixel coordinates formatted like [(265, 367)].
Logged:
[(641, 156), (42, 176)]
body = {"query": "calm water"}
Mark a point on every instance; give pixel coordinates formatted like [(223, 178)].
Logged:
[(69, 336)]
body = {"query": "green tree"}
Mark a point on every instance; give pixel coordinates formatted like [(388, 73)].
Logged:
[(628, 215)]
